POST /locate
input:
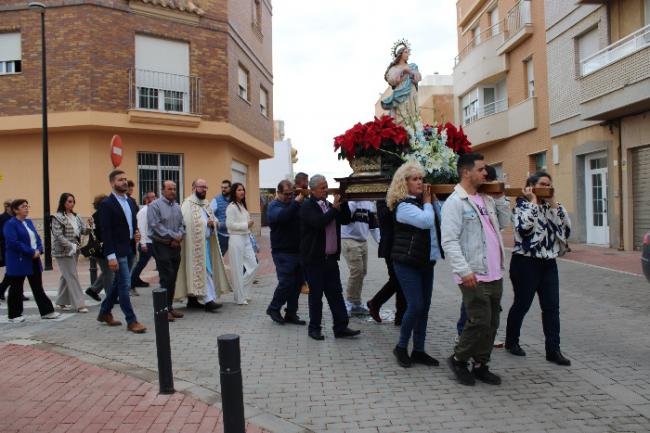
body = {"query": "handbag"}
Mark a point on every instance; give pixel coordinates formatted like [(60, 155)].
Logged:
[(93, 247)]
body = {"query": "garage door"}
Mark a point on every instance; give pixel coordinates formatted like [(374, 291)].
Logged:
[(641, 191)]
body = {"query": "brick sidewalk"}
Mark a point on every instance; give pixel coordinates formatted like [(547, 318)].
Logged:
[(51, 393)]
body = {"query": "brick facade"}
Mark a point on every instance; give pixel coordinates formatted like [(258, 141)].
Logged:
[(90, 49)]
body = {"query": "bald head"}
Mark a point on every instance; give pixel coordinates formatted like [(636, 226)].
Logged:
[(169, 190), (200, 188)]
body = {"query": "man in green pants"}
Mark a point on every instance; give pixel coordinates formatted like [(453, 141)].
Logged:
[(471, 239)]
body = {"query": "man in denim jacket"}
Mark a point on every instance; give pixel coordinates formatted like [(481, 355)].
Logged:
[(471, 239)]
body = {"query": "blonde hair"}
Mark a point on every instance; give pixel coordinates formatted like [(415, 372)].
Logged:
[(398, 189)]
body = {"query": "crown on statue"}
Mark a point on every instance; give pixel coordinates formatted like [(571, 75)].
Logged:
[(401, 43)]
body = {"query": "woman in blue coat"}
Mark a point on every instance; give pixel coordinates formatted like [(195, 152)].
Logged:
[(23, 259)]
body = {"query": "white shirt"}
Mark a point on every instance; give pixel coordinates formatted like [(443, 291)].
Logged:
[(75, 224), (142, 225), (359, 228), (32, 236)]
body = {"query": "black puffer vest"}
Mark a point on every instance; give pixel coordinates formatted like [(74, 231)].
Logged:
[(411, 245)]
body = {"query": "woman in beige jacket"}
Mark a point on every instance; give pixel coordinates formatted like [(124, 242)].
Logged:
[(67, 229), (240, 250)]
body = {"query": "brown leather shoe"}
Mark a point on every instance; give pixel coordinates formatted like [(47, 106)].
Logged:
[(137, 328), (170, 317), (177, 314), (108, 319)]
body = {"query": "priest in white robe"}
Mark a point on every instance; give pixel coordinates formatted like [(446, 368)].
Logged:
[(201, 277)]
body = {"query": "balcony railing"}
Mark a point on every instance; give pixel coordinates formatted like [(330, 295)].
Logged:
[(518, 17), (485, 36), (487, 110), (164, 92), (616, 51)]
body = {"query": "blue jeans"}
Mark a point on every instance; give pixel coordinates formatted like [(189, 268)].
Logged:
[(120, 288), (142, 262), (462, 319), (417, 285), (325, 278), (290, 279)]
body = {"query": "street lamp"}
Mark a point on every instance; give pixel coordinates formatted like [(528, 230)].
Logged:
[(46, 167)]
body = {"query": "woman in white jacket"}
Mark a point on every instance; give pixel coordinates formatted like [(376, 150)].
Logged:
[(240, 249)]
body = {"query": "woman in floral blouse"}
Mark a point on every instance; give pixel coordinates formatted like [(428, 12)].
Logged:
[(541, 229)]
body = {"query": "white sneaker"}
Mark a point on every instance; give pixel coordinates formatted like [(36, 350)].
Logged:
[(18, 319), (52, 315)]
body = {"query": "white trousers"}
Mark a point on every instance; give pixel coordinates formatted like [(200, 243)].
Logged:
[(242, 256), (210, 293)]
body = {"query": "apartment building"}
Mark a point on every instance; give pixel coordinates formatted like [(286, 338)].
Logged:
[(500, 87), (599, 86), (187, 84)]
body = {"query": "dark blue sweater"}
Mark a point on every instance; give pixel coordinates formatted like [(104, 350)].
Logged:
[(284, 221)]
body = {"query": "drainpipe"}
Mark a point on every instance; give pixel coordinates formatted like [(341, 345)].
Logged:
[(621, 244)]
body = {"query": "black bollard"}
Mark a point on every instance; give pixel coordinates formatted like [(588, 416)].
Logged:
[(93, 269), (232, 395), (163, 345)]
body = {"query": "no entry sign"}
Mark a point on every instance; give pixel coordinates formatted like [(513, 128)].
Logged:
[(116, 151)]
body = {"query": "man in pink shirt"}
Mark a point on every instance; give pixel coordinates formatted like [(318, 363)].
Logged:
[(471, 239)]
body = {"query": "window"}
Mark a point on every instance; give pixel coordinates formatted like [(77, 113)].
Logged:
[(539, 159), (530, 77), (243, 81), (499, 169), (264, 102), (646, 8), (162, 79), (257, 15), (154, 168), (494, 21), (470, 106), (239, 172), (10, 53), (475, 34), (588, 44)]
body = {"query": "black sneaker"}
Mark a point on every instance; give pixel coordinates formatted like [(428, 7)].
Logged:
[(484, 374), (557, 358), (294, 319), (316, 335), (460, 370), (402, 356), (347, 333), (90, 292), (515, 349), (139, 283), (424, 358), (275, 316), (192, 302)]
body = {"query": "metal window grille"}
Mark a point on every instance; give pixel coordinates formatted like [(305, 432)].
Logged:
[(154, 168)]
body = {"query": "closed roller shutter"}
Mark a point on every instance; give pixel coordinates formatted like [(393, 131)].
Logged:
[(641, 191)]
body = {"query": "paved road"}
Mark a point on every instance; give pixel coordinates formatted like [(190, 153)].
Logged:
[(356, 386)]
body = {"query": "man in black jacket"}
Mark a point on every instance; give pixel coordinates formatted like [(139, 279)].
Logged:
[(119, 236), (320, 249), (386, 220), (283, 216)]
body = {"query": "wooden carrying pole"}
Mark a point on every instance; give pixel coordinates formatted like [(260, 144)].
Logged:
[(447, 189)]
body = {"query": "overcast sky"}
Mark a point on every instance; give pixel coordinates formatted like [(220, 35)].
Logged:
[(329, 59)]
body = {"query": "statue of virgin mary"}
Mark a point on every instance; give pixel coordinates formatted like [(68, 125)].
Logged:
[(403, 77)]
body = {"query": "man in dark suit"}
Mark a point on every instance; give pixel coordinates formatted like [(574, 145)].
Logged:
[(320, 249), (117, 214)]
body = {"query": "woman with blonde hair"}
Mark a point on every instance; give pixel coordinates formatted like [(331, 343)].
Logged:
[(416, 247)]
